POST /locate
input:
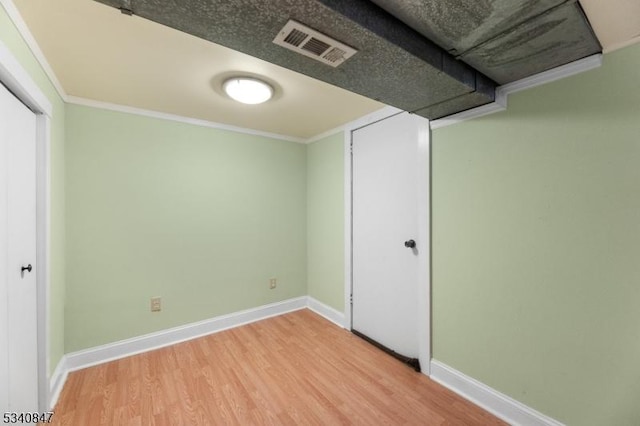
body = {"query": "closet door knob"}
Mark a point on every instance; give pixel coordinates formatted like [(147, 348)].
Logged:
[(410, 244), (27, 268)]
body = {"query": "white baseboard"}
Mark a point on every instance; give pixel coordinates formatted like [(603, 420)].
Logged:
[(112, 351), (100, 354), (491, 400), (502, 406), (57, 381), (326, 311)]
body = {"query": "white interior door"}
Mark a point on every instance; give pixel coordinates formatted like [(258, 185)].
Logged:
[(18, 304), (389, 193)]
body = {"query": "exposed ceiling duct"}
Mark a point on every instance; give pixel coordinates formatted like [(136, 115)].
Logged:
[(505, 39), (431, 57)]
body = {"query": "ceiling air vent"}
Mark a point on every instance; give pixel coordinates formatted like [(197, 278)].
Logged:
[(308, 42)]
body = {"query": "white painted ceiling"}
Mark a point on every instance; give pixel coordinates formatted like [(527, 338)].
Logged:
[(100, 54)]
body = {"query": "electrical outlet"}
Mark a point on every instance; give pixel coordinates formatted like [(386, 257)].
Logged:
[(273, 283), (156, 304)]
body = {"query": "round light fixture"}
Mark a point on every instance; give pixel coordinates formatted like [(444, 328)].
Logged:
[(248, 90)]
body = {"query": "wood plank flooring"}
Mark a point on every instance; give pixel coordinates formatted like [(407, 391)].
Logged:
[(295, 369)]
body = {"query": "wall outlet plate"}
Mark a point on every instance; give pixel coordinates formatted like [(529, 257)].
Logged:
[(273, 282), (156, 304)]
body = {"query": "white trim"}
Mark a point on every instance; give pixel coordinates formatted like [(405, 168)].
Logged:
[(622, 44), (500, 103), (326, 311), (424, 244), (378, 115), (502, 92), (43, 251), (23, 29), (56, 381), (124, 348), (148, 342), (179, 118), (502, 406), (28, 38), (323, 135), (573, 68), (348, 256), (18, 80), (469, 114)]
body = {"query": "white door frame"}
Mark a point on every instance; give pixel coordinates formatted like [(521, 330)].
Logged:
[(423, 237), (18, 81)]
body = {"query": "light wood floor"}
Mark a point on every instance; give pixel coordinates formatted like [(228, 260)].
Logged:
[(293, 369)]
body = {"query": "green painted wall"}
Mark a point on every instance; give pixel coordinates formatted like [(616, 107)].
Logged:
[(11, 38), (535, 234), (199, 216), (536, 238), (325, 220)]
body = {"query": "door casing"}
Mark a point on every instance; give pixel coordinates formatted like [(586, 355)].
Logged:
[(424, 228), (18, 81)]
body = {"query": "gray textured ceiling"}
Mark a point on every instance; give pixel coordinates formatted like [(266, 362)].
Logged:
[(432, 57)]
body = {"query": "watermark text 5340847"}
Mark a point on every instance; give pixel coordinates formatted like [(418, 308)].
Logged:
[(27, 417)]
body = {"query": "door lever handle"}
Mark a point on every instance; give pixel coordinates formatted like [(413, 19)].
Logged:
[(410, 244), (27, 268)]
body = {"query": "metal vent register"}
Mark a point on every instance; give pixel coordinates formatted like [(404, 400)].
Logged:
[(309, 42)]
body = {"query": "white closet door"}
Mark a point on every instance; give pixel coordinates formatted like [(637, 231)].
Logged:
[(18, 304), (387, 175)]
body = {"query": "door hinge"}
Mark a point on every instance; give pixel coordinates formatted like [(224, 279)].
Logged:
[(351, 299)]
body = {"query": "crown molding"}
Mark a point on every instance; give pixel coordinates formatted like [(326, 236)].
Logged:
[(500, 103), (323, 135), (377, 115), (502, 92), (554, 74), (75, 100), (622, 44), (27, 36)]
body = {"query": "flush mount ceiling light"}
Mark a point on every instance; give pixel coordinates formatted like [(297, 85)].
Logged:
[(248, 90)]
